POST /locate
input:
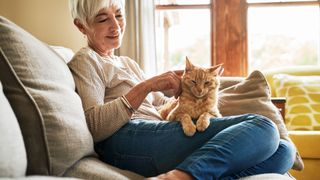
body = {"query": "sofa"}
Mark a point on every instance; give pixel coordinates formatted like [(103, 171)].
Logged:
[(42, 123), (300, 86)]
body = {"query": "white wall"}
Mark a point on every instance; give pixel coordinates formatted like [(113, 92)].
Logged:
[(48, 20)]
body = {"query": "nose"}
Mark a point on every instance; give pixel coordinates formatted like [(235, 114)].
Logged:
[(199, 89), (115, 26)]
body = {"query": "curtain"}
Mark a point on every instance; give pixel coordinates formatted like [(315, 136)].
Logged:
[(139, 38)]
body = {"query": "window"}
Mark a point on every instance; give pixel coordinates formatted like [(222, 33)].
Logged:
[(242, 34), (283, 33), (182, 29)]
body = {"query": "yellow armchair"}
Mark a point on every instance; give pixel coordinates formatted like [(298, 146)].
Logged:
[(307, 141)]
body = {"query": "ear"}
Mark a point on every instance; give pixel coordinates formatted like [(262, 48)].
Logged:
[(189, 65), (217, 69), (80, 26)]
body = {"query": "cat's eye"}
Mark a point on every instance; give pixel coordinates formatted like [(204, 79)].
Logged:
[(207, 83), (193, 81)]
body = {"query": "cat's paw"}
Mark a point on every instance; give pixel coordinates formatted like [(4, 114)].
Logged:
[(216, 114), (202, 124), (189, 129)]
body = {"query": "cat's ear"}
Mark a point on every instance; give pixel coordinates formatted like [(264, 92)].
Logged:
[(189, 65), (217, 69)]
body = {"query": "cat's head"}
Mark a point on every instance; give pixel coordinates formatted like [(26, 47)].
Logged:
[(200, 81)]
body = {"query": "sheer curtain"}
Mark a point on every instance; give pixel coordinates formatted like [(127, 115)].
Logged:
[(139, 39)]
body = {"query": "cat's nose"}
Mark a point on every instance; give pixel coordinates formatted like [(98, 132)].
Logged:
[(199, 89)]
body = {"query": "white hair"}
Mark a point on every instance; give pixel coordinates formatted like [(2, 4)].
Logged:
[(85, 10)]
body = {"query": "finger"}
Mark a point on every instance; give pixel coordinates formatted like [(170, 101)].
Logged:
[(178, 93), (177, 88), (176, 76), (179, 72)]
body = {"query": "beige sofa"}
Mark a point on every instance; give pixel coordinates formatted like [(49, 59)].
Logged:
[(42, 123)]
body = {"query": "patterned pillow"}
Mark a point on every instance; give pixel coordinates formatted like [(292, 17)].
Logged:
[(303, 100)]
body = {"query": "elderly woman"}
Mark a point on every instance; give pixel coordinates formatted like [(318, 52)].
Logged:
[(120, 105)]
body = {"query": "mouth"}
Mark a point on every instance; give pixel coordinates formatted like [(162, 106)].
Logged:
[(113, 37), (198, 95), (115, 34)]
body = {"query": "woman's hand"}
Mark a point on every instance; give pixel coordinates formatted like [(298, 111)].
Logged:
[(170, 80)]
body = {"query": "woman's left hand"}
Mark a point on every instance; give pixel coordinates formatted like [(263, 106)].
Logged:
[(166, 81)]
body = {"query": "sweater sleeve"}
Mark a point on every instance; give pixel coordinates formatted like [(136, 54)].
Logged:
[(103, 119), (159, 98)]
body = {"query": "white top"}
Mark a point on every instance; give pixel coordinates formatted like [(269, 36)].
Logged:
[(100, 82)]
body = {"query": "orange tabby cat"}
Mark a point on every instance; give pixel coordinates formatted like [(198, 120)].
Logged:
[(198, 100)]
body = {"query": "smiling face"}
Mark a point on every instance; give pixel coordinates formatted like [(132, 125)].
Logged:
[(105, 30)]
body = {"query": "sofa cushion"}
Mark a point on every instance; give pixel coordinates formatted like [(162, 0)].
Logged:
[(83, 169), (41, 91), (307, 142), (65, 53), (305, 70), (13, 156), (302, 95), (252, 95)]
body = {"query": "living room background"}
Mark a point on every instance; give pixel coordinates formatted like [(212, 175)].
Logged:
[(228, 34)]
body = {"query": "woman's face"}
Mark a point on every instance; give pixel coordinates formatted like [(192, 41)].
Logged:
[(105, 30)]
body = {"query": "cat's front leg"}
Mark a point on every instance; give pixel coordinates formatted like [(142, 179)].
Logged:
[(204, 121), (165, 110), (215, 113), (187, 125)]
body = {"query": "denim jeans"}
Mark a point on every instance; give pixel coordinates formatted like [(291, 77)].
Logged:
[(230, 148)]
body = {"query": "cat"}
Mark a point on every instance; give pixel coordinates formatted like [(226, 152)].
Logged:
[(198, 100)]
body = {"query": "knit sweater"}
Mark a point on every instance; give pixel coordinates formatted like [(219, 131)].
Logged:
[(100, 82)]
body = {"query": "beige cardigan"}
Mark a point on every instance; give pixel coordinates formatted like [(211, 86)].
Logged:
[(100, 82)]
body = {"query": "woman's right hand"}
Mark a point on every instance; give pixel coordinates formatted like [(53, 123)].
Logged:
[(166, 81)]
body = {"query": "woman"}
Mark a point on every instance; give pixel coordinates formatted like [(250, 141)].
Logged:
[(120, 107)]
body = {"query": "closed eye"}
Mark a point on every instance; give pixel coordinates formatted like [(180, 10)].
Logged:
[(194, 82), (207, 83), (103, 20), (119, 16)]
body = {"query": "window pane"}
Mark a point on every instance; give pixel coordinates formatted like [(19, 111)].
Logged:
[(282, 36), (181, 2), (264, 1), (181, 33)]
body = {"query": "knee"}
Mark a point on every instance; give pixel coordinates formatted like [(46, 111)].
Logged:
[(288, 150), (266, 124), (259, 119)]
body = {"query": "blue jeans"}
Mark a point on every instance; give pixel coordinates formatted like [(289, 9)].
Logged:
[(230, 148)]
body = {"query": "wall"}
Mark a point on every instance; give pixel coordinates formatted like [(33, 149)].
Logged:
[(48, 20)]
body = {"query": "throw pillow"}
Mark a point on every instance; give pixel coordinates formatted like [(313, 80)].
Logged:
[(303, 100), (252, 95), (40, 88), (13, 156)]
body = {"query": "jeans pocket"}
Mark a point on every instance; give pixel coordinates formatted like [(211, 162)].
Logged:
[(142, 165)]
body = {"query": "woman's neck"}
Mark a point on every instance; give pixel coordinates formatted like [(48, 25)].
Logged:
[(102, 53)]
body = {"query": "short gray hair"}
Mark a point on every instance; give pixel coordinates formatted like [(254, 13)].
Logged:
[(85, 10)]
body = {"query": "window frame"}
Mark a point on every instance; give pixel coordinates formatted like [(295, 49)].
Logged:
[(229, 34), (192, 7)]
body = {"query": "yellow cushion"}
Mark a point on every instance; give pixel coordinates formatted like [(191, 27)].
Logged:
[(303, 100), (307, 142)]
